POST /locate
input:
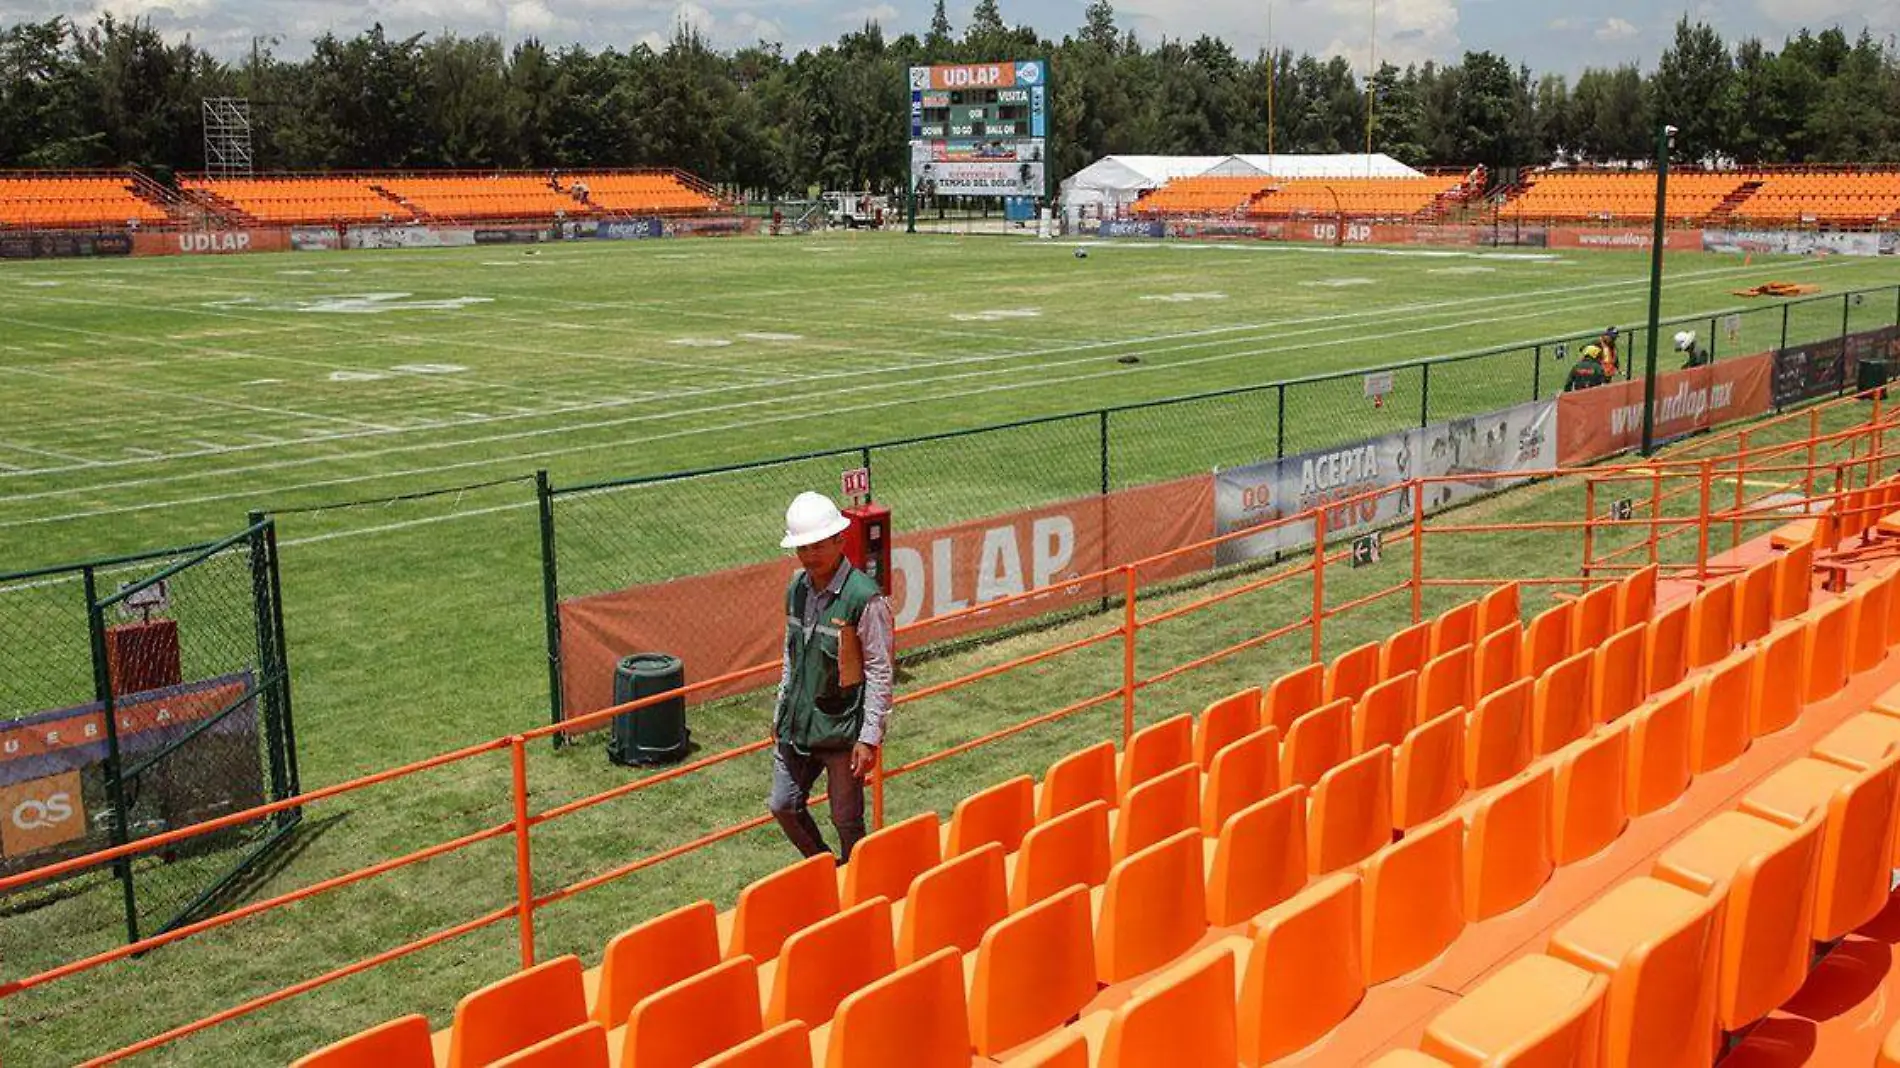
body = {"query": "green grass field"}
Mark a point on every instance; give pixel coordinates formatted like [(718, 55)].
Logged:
[(152, 403)]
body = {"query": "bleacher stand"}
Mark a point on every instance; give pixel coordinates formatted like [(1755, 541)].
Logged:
[(67, 202)]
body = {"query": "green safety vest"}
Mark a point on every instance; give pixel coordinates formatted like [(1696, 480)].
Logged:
[(815, 712)]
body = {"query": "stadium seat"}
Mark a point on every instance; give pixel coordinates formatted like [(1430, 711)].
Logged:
[(1755, 603), (1794, 581), (1660, 761), (915, 1016), (952, 904), (1353, 673), (1861, 742), (1034, 971), (1067, 1048), (1712, 624), (579, 1047), (1350, 812), (1304, 972), (1779, 685), (1507, 845), (1159, 808), (1077, 779), (1856, 858), (1547, 639), (1407, 1058), (1293, 695), (784, 1046), (1500, 608), (788, 900), (1536, 1011), (1871, 607), (1723, 711), (1659, 946), (1153, 908), (1445, 684), (1560, 703), (827, 961), (1183, 1017), (1594, 618), (1385, 713), (1406, 650), (1428, 771), (885, 861), (400, 1043), (1636, 597), (1225, 721), (1456, 628), (1259, 859), (683, 1024), (1070, 849), (653, 955), (1587, 798), (1666, 649), (1155, 750), (1828, 642), (1765, 873), (1001, 814), (1319, 740), (1618, 674), (1413, 900), (515, 1013), (1500, 660), (1242, 773), (1498, 736)]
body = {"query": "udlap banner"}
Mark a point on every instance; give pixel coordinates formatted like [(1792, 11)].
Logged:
[(1600, 422)]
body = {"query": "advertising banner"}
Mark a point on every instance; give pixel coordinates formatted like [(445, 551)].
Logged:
[(715, 226), (385, 237), (316, 238), (1599, 422), (209, 242), (934, 572), (1623, 240), (1149, 228), (1003, 178), (61, 245), (629, 229), (1808, 371), (1798, 242), (1482, 454)]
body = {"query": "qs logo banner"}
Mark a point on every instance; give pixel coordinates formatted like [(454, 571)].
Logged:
[(41, 813)]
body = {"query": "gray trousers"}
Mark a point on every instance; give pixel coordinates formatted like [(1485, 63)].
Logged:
[(793, 775)]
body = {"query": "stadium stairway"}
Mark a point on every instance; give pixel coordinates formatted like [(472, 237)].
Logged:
[(1615, 835)]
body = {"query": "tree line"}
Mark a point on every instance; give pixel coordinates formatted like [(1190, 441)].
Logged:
[(116, 93)]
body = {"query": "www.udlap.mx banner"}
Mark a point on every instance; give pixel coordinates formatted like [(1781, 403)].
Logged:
[(1362, 486)]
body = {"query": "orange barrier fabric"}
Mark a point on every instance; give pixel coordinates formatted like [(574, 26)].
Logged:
[(729, 620), (1595, 423)]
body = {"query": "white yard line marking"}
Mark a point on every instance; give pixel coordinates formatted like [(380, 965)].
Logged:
[(68, 457)]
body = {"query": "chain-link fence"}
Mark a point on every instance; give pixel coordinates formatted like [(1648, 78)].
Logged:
[(620, 535), (141, 695)]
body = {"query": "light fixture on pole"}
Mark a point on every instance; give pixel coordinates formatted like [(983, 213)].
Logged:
[(1665, 140)]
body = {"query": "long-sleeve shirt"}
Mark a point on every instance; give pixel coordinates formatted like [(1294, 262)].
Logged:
[(877, 636)]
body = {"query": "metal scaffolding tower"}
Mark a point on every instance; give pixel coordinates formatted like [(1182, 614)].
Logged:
[(227, 122)]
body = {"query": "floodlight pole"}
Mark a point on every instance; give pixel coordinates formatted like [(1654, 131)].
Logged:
[(1664, 138)]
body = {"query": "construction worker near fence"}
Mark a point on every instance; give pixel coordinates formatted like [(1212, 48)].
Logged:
[(1693, 355), (834, 694), (1588, 371)]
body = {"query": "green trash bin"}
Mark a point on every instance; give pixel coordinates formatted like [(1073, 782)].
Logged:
[(656, 734), (1872, 373)]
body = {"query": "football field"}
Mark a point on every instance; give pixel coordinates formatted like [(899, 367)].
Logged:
[(155, 403)]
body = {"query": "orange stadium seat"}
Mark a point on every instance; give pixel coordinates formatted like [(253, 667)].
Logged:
[(952, 904), (400, 1043), (1259, 859), (1227, 720)]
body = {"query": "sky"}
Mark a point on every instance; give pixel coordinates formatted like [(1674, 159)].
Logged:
[(1561, 36)]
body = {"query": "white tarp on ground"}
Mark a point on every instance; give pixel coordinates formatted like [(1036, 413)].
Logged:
[(1338, 165)]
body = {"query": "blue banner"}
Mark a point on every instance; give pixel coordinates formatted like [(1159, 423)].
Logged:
[(630, 230)]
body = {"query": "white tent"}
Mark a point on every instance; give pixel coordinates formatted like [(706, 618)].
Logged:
[(1109, 185), (1340, 165)]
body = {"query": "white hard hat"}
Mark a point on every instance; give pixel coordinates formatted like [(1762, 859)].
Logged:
[(811, 519), (1684, 339)]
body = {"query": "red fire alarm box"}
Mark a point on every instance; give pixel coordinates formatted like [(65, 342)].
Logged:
[(867, 544)]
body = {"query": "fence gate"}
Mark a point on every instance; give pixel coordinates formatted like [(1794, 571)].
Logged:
[(140, 695)]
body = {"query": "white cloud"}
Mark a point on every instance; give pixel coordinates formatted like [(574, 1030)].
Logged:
[(883, 14), (1615, 29)]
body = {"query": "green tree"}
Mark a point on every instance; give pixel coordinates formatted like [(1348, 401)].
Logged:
[(1693, 90)]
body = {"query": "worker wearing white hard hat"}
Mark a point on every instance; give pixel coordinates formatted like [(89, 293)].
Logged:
[(834, 693), (1692, 355)]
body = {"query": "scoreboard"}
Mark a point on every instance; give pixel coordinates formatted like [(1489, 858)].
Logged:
[(979, 129)]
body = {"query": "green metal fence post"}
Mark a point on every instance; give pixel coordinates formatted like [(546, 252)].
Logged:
[(120, 819), (1847, 310), (1784, 325), (266, 662), (864, 461), (1537, 372), (281, 651), (1664, 141), (1425, 396), (550, 596), (1279, 423)]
